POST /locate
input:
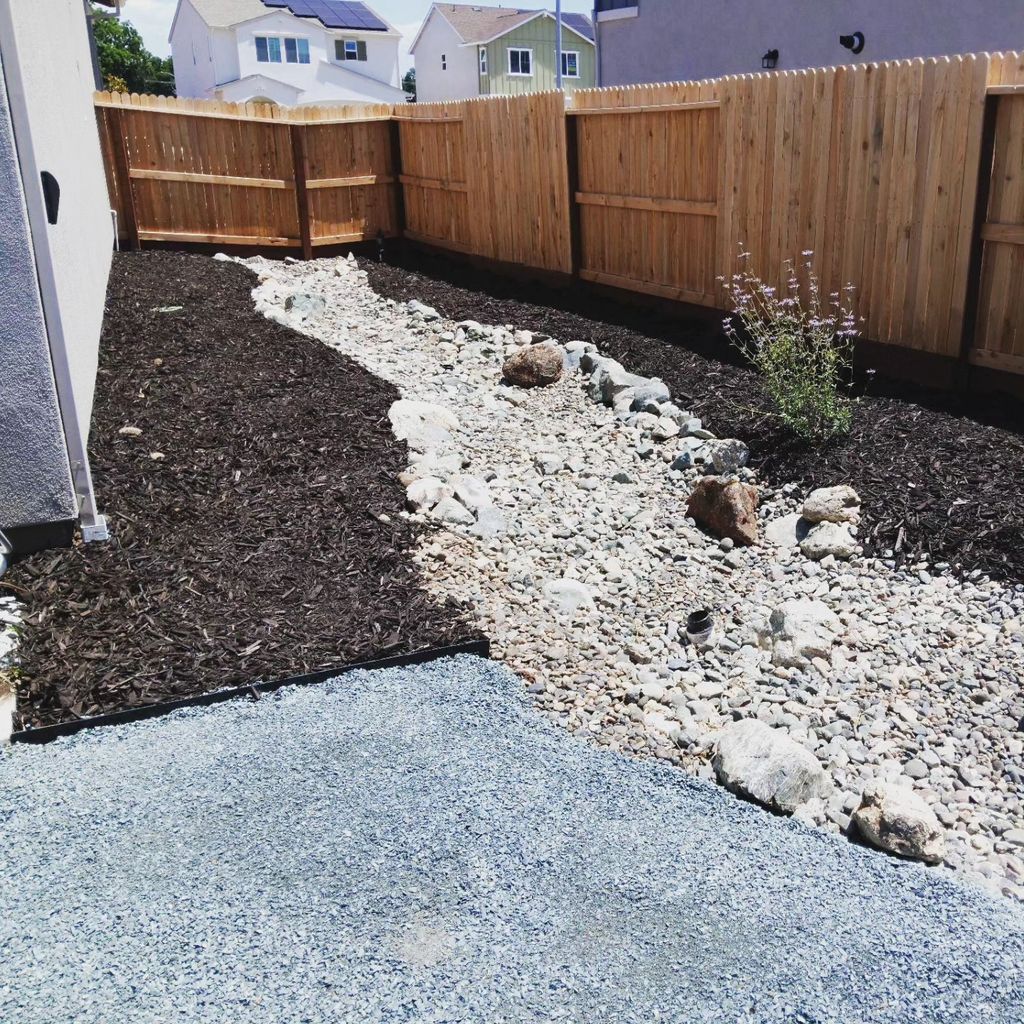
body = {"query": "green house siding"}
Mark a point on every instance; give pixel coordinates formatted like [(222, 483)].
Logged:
[(539, 36)]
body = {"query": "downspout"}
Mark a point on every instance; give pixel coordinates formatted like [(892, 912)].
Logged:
[(597, 49), (94, 525)]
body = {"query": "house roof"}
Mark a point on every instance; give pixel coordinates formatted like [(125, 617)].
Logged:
[(476, 24), (351, 14)]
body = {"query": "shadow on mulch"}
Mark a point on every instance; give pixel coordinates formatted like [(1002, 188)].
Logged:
[(253, 548), (940, 475)]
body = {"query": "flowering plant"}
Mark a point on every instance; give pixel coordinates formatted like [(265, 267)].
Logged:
[(802, 347)]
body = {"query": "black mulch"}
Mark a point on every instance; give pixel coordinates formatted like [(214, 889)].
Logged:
[(938, 475), (252, 549)]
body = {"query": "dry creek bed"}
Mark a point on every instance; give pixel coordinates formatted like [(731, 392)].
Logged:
[(568, 537)]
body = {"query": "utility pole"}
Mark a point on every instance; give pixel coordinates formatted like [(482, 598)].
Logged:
[(558, 44)]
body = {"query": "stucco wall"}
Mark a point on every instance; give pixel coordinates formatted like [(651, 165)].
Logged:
[(35, 480), (192, 48), (57, 74), (460, 80), (671, 40)]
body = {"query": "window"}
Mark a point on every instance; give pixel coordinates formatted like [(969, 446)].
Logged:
[(570, 64), (268, 49), (349, 49), (483, 60), (444, 62), (520, 62), (296, 51)]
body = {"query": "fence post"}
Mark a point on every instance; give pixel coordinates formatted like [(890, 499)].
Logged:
[(395, 128), (122, 167), (572, 163), (298, 133)]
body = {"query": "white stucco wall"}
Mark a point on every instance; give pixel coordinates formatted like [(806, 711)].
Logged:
[(35, 478), (225, 64), (57, 78), (460, 80)]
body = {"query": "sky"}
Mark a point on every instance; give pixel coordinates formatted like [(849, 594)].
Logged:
[(153, 20)]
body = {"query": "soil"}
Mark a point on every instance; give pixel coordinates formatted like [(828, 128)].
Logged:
[(255, 518), (940, 476)]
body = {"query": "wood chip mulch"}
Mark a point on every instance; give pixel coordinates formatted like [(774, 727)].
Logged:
[(248, 543), (939, 476)]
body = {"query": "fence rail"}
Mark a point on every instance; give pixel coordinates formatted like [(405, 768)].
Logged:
[(904, 179)]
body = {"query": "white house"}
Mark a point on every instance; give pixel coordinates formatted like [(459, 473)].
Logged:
[(291, 52)]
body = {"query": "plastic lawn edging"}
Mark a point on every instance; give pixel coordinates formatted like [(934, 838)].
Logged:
[(48, 733)]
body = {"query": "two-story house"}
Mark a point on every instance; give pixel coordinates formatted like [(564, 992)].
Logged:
[(291, 52), (674, 40), (462, 51)]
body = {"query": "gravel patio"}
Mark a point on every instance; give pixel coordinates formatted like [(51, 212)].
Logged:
[(419, 844)]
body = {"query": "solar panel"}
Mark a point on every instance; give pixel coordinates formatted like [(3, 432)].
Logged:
[(333, 13)]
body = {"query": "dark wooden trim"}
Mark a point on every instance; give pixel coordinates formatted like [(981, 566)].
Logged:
[(572, 160), (396, 175), (981, 199), (122, 167), (298, 133)]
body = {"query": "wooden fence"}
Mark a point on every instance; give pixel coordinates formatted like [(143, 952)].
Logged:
[(904, 179)]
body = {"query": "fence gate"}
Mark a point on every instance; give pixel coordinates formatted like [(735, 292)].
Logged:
[(999, 332), (648, 180)]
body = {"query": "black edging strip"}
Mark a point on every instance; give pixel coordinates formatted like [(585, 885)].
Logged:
[(48, 733)]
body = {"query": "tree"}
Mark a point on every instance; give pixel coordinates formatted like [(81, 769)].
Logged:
[(409, 82), (126, 64)]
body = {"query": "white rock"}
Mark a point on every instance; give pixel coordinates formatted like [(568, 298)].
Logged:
[(765, 765), (424, 493), (422, 424), (826, 538), (569, 595), (448, 510), (471, 491), (832, 505), (897, 819), (786, 531), (799, 631)]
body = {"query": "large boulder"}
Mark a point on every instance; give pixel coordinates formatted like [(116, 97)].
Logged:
[(729, 456), (896, 819), (425, 492), (799, 631), (569, 595), (534, 367), (471, 491), (726, 507), (765, 765), (824, 539), (421, 424), (832, 505)]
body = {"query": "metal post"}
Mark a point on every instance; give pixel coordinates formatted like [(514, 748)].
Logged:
[(558, 44)]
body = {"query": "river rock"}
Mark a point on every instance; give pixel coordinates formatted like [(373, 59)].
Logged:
[(569, 595), (897, 819), (729, 455), (448, 510), (765, 765), (425, 492), (832, 505), (726, 507), (306, 305)]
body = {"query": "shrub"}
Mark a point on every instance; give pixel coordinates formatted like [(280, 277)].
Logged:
[(803, 349)]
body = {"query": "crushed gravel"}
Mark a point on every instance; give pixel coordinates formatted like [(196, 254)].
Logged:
[(416, 844)]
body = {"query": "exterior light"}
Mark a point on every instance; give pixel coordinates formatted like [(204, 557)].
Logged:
[(770, 59), (854, 42)]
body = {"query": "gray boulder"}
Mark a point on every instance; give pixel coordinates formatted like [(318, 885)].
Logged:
[(896, 819), (765, 765), (448, 510), (424, 493), (471, 491), (421, 310), (653, 391), (729, 456)]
